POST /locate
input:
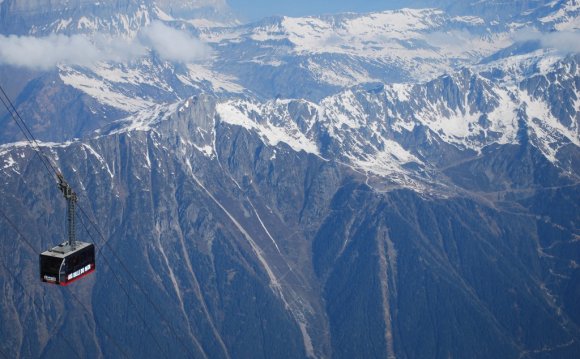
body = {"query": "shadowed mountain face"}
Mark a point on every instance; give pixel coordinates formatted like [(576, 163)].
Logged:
[(360, 218), (261, 251)]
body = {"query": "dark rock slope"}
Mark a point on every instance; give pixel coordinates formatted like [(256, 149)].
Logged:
[(250, 250)]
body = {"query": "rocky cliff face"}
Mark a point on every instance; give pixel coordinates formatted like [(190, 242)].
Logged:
[(259, 250)]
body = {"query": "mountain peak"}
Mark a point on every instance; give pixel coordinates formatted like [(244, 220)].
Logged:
[(23, 17)]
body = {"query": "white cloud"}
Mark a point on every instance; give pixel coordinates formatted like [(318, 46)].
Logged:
[(564, 41), (46, 52), (174, 45)]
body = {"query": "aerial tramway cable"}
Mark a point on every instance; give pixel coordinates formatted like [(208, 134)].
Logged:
[(52, 171), (131, 302), (29, 244), (132, 278), (68, 343), (26, 132)]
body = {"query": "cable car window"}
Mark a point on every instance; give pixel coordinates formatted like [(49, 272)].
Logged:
[(50, 264)]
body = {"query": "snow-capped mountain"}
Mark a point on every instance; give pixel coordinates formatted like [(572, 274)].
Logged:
[(236, 213), (310, 58), (117, 17), (396, 184), (329, 53), (376, 131)]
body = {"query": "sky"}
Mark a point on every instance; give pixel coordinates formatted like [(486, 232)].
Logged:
[(251, 10)]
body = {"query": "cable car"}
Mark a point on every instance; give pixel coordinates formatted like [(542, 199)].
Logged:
[(64, 264), (71, 260)]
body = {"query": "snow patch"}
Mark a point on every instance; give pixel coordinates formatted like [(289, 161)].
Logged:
[(61, 24), (144, 120), (9, 162), (219, 82), (567, 13), (546, 127), (207, 150), (231, 112), (125, 75), (104, 164), (454, 127), (503, 119), (162, 15), (102, 91), (402, 91), (399, 153), (338, 74), (384, 164), (344, 111), (472, 20)]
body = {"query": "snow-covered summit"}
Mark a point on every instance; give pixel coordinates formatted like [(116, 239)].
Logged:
[(124, 17), (403, 134), (347, 49), (309, 58)]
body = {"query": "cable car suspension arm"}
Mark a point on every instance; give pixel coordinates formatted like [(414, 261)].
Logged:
[(71, 199)]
